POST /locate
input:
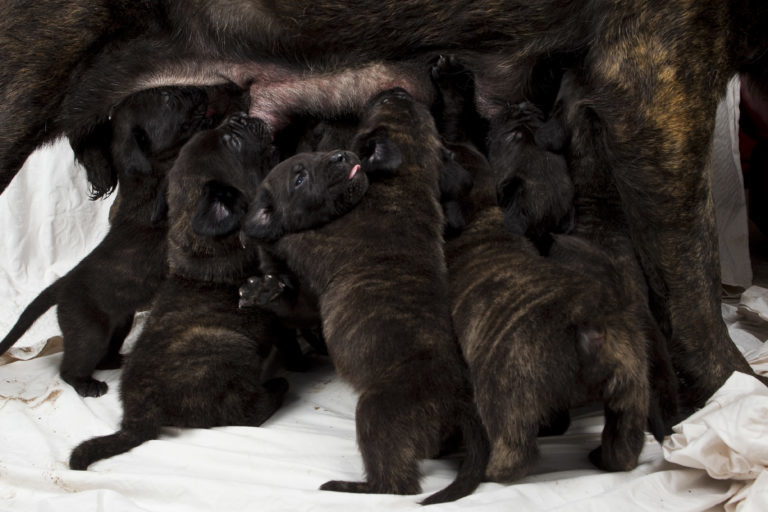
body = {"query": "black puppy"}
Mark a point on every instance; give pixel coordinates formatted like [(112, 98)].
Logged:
[(534, 186), (385, 256), (99, 297), (198, 361)]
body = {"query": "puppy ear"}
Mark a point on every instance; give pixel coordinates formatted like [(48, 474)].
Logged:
[(92, 151), (219, 211), (264, 222), (379, 155)]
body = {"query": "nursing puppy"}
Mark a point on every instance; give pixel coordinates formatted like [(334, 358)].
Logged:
[(379, 276), (534, 187), (98, 298), (540, 336), (576, 130), (198, 361)]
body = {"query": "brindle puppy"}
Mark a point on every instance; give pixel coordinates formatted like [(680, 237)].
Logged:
[(308, 190), (540, 336), (99, 297), (655, 71), (198, 361), (386, 255), (577, 131)]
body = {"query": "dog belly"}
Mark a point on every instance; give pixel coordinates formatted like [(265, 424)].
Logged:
[(279, 91)]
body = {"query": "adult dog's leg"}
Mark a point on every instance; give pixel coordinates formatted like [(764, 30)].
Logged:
[(659, 106)]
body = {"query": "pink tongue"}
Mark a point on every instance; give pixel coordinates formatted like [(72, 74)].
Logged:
[(354, 171)]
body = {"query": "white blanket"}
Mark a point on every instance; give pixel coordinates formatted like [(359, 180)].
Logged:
[(716, 457)]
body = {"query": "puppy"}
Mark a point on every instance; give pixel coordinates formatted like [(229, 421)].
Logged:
[(576, 131), (198, 361), (335, 185), (383, 255), (534, 187), (98, 298), (540, 336)]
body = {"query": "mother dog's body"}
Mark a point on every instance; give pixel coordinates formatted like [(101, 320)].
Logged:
[(655, 71)]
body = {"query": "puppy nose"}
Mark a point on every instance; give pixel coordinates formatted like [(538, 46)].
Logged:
[(339, 157)]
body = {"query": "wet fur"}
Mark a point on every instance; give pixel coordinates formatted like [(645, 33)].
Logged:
[(98, 298), (380, 278), (198, 361)]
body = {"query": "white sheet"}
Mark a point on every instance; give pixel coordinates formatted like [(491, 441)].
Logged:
[(48, 226)]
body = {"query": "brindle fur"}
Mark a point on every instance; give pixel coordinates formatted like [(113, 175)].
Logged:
[(198, 361), (654, 70), (380, 278), (600, 219), (99, 297), (539, 335)]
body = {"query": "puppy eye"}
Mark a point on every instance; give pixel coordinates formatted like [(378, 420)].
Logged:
[(299, 180)]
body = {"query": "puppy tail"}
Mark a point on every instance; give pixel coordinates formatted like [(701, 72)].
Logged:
[(36, 308), (472, 469), (88, 452)]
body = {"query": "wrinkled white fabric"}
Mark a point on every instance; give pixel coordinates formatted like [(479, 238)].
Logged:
[(729, 436), (48, 225), (728, 192)]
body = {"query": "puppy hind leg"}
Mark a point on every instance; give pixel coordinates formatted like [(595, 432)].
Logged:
[(627, 399), (513, 449), (511, 409), (86, 336), (113, 359), (391, 437)]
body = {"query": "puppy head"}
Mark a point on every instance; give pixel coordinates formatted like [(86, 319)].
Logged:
[(211, 184), (305, 192), (150, 124), (395, 129), (516, 123)]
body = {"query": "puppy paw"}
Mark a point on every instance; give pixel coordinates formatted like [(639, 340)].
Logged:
[(447, 67), (88, 387), (621, 460), (260, 291)]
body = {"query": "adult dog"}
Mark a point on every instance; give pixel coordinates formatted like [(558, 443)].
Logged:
[(654, 71)]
